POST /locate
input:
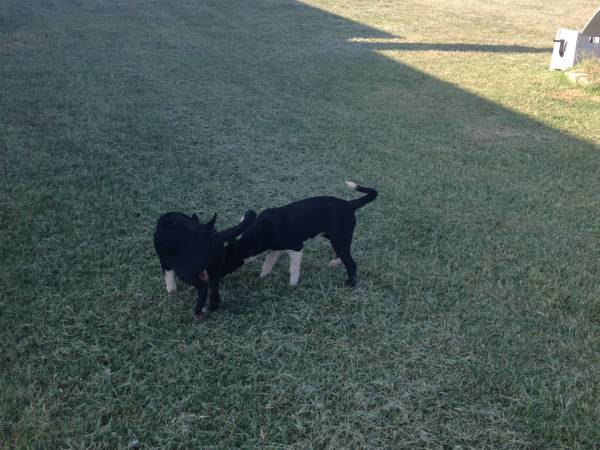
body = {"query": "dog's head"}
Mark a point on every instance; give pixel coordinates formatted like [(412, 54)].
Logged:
[(196, 245), (185, 239), (233, 260)]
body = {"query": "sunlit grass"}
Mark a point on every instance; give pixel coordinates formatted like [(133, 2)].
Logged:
[(591, 67), (512, 79)]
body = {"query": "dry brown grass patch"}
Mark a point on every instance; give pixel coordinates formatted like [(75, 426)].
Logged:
[(574, 95)]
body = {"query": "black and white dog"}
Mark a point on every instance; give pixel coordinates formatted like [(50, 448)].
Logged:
[(195, 252), (287, 227)]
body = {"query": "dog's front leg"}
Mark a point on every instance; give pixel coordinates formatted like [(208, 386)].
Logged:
[(170, 281), (201, 309), (295, 261), (215, 297)]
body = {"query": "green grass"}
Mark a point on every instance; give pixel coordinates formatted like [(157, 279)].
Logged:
[(475, 323)]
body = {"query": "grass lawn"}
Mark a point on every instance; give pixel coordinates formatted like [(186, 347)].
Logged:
[(476, 319)]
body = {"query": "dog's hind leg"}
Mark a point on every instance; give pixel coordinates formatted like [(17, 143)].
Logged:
[(344, 254), (295, 261), (270, 260), (341, 246)]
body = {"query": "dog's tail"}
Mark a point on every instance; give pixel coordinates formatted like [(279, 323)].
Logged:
[(226, 235), (360, 202)]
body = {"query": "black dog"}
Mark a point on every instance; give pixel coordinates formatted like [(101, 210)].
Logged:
[(195, 252), (287, 227)]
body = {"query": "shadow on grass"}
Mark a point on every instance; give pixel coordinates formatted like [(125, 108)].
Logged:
[(450, 47)]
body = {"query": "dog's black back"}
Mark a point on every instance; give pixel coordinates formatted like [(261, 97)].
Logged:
[(288, 227)]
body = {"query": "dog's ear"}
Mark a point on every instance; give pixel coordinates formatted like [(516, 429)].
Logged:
[(211, 222), (195, 217)]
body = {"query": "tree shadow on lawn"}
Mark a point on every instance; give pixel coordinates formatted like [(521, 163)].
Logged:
[(477, 257)]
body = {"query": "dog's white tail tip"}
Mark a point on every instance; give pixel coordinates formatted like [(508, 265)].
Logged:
[(352, 185)]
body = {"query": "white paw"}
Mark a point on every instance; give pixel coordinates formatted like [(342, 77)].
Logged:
[(335, 262)]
